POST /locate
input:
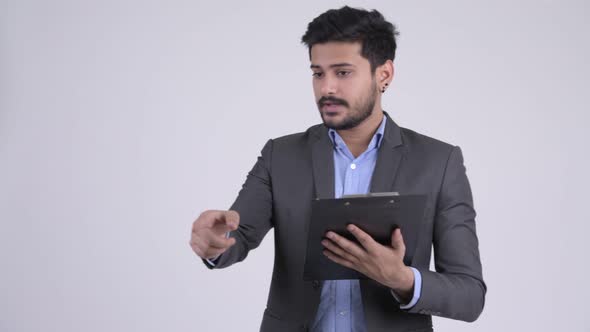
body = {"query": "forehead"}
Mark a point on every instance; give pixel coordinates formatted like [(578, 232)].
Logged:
[(330, 53)]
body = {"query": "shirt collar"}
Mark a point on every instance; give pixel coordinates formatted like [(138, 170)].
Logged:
[(375, 141)]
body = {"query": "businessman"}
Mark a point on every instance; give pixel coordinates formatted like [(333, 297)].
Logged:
[(357, 149)]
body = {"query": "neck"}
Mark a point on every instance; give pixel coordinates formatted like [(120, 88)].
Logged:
[(357, 139)]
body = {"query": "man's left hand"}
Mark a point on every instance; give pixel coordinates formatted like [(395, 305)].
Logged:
[(383, 264)]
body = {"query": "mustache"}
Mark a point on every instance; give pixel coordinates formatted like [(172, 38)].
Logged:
[(332, 100)]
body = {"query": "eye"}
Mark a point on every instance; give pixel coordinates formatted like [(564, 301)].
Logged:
[(317, 74), (343, 72)]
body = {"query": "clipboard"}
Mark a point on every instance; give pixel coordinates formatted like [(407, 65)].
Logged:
[(378, 214)]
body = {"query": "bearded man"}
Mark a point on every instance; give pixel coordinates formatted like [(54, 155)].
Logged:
[(356, 150)]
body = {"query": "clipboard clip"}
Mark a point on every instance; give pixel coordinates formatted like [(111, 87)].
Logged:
[(381, 194)]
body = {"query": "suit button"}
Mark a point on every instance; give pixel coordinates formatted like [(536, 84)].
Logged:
[(303, 327), (315, 284)]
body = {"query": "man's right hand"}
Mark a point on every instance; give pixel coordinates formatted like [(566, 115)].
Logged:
[(208, 238)]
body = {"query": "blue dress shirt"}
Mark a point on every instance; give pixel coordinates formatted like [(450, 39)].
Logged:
[(341, 306)]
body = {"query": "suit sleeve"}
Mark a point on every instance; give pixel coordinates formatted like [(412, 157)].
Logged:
[(456, 290), (254, 204)]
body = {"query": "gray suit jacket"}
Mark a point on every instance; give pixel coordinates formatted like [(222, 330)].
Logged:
[(295, 169)]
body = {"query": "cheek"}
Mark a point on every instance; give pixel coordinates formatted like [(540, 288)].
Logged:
[(350, 87), (317, 92), (316, 86)]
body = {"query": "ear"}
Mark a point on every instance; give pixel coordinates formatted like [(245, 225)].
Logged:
[(384, 73)]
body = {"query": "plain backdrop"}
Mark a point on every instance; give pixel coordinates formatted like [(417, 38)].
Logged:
[(121, 121)]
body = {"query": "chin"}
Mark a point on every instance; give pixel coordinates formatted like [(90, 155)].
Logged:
[(336, 125), (330, 122)]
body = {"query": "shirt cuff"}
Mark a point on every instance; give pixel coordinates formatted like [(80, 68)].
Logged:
[(417, 290), (212, 262)]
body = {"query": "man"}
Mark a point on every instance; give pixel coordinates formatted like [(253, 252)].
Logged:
[(357, 149)]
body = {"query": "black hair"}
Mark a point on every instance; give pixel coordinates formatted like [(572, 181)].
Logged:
[(346, 24)]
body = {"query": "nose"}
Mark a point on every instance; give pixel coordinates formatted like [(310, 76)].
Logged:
[(328, 86)]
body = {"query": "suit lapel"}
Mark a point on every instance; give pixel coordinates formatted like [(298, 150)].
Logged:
[(322, 156), (389, 157)]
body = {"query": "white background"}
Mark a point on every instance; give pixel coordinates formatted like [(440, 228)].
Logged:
[(120, 121)]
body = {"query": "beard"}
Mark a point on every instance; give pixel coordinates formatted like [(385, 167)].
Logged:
[(355, 114)]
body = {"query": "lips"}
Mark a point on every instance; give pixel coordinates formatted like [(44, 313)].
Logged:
[(330, 107), (330, 104)]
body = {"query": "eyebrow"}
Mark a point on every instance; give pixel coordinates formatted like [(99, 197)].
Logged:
[(336, 65)]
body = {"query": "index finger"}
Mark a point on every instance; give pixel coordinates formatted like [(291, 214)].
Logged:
[(212, 217)]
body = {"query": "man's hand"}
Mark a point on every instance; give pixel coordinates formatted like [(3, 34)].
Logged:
[(208, 238), (383, 264)]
